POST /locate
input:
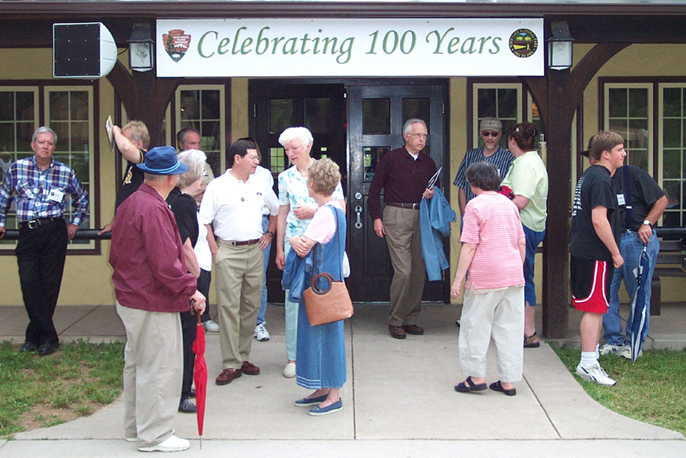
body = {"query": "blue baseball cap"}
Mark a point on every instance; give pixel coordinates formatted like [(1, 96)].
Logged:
[(162, 160)]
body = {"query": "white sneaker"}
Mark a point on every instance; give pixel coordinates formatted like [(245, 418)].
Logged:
[(608, 349), (261, 333), (173, 444), (210, 326), (289, 370), (594, 373), (626, 352)]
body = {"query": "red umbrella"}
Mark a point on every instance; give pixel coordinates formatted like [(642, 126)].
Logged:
[(200, 375)]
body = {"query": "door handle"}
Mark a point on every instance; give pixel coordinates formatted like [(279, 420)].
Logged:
[(358, 211)]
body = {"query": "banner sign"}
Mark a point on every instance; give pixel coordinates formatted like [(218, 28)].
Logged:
[(349, 47)]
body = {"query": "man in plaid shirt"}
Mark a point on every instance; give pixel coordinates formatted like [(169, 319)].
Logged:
[(40, 184)]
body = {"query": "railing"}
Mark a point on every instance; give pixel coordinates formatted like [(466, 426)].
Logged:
[(671, 231), (92, 234), (81, 234)]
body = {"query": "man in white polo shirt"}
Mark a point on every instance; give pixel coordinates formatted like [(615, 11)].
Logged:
[(234, 203)]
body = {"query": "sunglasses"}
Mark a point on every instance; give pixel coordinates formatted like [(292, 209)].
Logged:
[(490, 134)]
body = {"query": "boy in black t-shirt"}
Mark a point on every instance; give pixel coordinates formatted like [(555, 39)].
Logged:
[(594, 248)]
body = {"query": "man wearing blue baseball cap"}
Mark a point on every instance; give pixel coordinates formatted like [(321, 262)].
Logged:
[(152, 286)]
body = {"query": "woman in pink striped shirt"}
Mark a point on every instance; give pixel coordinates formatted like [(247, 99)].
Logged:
[(493, 250)]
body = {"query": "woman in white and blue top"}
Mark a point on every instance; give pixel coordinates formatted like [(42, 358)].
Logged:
[(295, 213)]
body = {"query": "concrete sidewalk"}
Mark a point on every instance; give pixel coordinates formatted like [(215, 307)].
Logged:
[(399, 400)]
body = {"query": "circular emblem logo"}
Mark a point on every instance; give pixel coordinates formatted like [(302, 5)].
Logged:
[(523, 43)]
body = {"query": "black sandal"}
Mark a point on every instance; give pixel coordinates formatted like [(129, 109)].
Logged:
[(497, 386), (468, 386)]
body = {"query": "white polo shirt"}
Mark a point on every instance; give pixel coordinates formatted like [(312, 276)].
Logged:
[(235, 207)]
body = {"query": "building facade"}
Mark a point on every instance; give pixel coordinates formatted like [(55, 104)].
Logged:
[(628, 74)]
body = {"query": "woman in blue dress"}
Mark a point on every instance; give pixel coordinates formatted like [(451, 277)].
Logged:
[(321, 349)]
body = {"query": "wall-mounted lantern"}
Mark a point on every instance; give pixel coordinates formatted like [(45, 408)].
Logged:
[(560, 46), (141, 53)]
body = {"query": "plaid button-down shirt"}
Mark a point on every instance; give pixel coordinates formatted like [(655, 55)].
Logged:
[(41, 193)]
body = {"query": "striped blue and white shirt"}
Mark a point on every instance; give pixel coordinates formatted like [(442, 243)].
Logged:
[(502, 159), (41, 193)]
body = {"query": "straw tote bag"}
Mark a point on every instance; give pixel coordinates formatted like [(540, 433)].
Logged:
[(331, 304)]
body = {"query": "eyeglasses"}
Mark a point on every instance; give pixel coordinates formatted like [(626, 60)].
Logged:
[(490, 134), (419, 135), (254, 158)]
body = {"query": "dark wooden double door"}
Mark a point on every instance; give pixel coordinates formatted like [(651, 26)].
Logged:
[(354, 125)]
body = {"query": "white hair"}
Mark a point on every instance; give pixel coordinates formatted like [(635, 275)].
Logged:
[(407, 127), (302, 134), (195, 160)]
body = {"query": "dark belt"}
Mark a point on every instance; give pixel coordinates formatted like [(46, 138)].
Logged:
[(403, 205), (246, 242), (35, 223)]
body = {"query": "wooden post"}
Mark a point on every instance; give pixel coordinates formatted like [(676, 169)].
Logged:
[(556, 292)]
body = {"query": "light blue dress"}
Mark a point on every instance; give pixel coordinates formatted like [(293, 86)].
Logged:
[(321, 349)]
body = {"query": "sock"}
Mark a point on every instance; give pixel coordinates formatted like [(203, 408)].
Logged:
[(597, 351), (588, 358)]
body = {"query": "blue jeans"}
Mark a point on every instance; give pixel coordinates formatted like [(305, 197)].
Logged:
[(631, 248), (263, 305), (533, 239)]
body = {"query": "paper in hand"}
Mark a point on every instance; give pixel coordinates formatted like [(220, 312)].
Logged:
[(108, 128), (433, 179)]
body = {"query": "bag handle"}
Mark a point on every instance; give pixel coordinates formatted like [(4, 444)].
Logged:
[(316, 289), (338, 239)]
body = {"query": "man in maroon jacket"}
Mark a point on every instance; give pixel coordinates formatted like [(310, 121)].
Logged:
[(152, 286)]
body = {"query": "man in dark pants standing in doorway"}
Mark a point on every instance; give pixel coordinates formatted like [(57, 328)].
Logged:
[(403, 174), (40, 185)]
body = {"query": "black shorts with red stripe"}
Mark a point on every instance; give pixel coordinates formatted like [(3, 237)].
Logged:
[(590, 281)]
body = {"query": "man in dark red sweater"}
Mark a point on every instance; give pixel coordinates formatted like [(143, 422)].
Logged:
[(403, 174)]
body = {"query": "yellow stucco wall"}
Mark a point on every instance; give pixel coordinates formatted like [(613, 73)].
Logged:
[(87, 278)]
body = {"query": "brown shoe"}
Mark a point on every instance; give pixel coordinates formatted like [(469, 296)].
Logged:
[(249, 368), (227, 376), (413, 329), (397, 332)]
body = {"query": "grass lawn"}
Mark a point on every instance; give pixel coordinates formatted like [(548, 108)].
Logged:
[(652, 390), (75, 381)]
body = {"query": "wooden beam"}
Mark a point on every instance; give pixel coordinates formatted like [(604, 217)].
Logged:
[(121, 80), (558, 99)]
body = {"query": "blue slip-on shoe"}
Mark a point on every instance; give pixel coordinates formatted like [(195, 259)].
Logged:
[(306, 402), (335, 407)]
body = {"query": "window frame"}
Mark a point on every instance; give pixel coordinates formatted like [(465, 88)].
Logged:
[(42, 89)]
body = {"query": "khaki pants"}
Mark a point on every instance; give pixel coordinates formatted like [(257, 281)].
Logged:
[(497, 315), (153, 371), (404, 242), (239, 293)]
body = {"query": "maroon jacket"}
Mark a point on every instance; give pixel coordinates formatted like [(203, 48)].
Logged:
[(147, 256)]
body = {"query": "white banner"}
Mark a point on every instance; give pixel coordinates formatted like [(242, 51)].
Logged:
[(349, 47)]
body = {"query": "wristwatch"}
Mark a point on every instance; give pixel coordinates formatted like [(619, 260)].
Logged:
[(270, 233), (647, 223)]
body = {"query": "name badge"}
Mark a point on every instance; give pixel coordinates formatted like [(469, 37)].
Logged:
[(56, 195), (620, 199)]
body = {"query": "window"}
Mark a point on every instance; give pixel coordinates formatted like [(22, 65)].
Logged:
[(18, 120), (69, 111), (672, 144), (628, 111), (202, 107), (501, 101)]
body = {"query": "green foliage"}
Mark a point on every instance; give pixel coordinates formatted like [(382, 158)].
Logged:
[(77, 376), (653, 389)]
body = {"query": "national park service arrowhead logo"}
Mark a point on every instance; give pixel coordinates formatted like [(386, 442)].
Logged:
[(523, 43), (176, 43)]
